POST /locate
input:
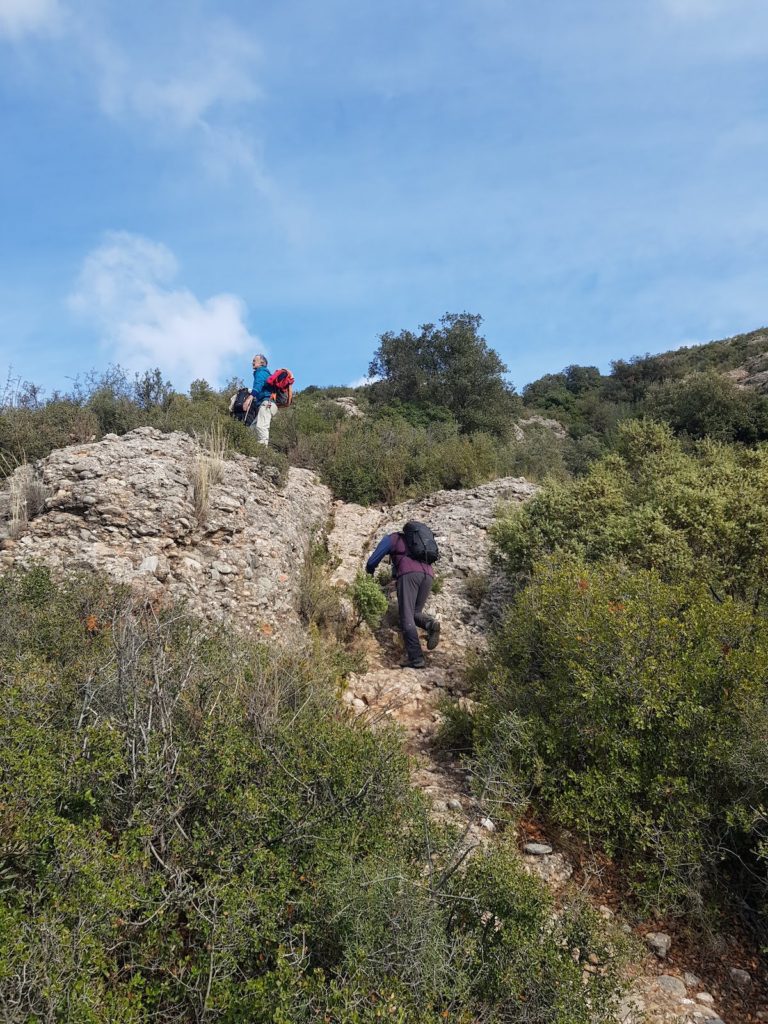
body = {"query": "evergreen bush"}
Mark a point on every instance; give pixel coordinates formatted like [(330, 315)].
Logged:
[(369, 600), (193, 829), (635, 710)]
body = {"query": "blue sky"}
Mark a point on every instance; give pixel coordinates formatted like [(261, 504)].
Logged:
[(184, 183)]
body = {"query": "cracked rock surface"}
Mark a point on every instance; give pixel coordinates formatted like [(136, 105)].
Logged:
[(125, 506)]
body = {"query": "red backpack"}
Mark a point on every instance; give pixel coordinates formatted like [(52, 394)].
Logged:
[(281, 382)]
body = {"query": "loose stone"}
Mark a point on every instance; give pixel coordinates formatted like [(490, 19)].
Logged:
[(537, 849), (672, 986), (659, 943), (741, 980)]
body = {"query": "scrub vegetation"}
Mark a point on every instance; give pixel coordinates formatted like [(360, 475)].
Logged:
[(192, 829), (627, 688)]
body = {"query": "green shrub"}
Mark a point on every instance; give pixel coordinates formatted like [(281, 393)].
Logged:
[(306, 417), (462, 461), (635, 710), (710, 405), (539, 456), (476, 588), (192, 829), (319, 602), (384, 576), (457, 726), (650, 504), (369, 600), (30, 434)]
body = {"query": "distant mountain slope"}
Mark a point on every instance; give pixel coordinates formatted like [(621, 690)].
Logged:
[(742, 352), (713, 390)]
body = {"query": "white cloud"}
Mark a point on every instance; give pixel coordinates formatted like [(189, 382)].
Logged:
[(362, 382), (182, 84), (126, 288), (22, 17), (194, 90)]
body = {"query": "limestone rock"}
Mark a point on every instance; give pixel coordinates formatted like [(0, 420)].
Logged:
[(555, 426), (537, 849), (460, 521), (631, 1009), (125, 506), (350, 407), (741, 980), (554, 869), (671, 986), (659, 943)]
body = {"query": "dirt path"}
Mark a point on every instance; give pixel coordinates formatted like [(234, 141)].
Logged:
[(460, 521)]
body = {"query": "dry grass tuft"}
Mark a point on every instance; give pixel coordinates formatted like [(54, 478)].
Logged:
[(207, 469), (26, 497)]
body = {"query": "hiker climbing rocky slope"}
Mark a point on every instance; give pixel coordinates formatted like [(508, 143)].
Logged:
[(164, 515), (468, 599)]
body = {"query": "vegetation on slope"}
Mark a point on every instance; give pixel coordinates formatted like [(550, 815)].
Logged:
[(440, 416), (192, 830), (439, 413), (688, 388), (627, 687)]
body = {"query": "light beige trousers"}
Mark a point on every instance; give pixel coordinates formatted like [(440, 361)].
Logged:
[(264, 420)]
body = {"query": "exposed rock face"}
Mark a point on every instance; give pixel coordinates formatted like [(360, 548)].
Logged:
[(125, 506), (460, 521), (350, 407), (555, 426), (754, 372)]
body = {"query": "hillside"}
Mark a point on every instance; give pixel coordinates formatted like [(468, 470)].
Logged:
[(743, 356), (712, 390), (126, 508), (189, 647)]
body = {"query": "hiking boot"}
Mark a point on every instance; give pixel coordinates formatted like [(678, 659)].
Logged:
[(433, 634), (420, 663)]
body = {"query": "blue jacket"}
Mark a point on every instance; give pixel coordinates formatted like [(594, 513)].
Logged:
[(260, 391)]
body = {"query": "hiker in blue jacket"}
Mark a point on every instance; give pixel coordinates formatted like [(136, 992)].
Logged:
[(414, 583), (261, 394)]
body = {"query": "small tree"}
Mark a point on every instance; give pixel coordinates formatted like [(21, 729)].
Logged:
[(150, 391), (200, 390), (449, 366)]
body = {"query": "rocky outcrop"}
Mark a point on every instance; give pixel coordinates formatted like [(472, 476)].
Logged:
[(131, 507), (555, 426), (349, 406), (753, 373), (460, 521)]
